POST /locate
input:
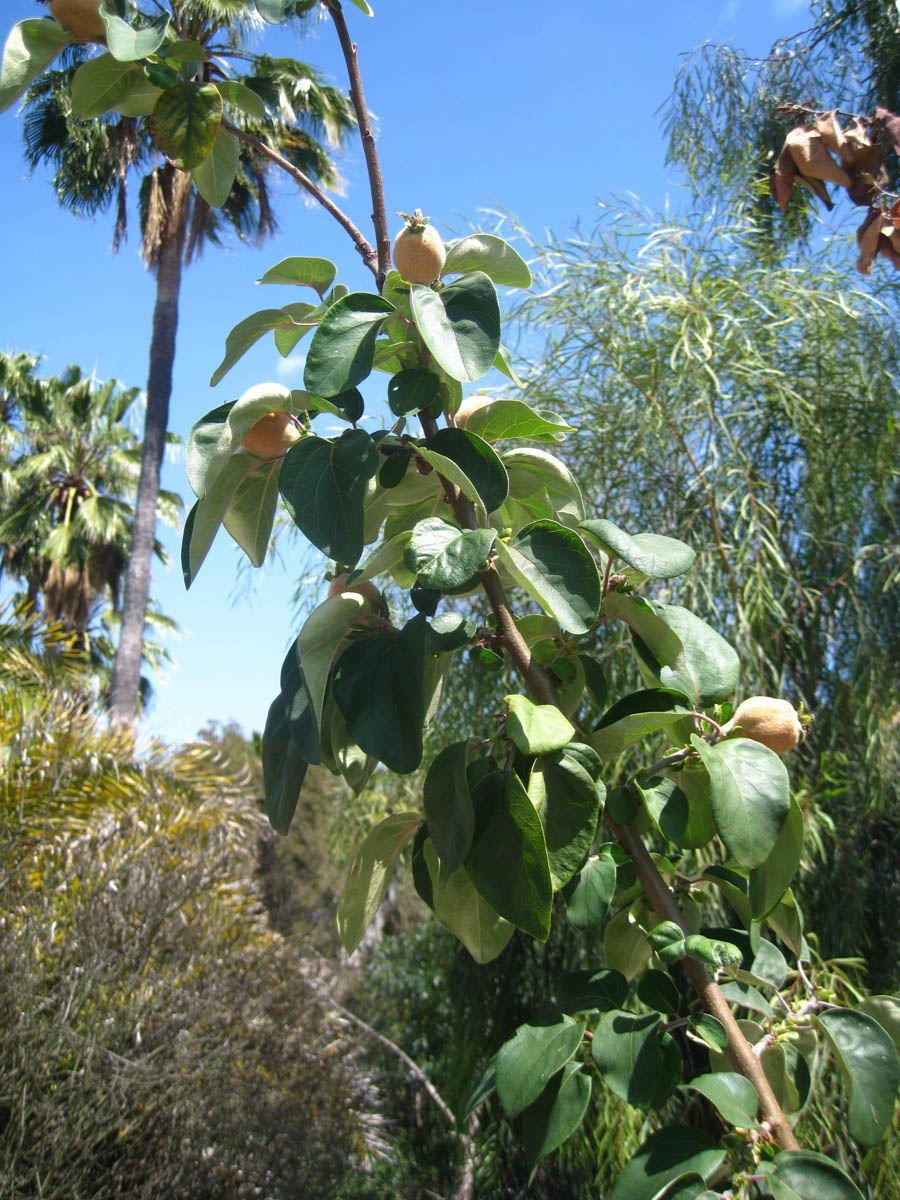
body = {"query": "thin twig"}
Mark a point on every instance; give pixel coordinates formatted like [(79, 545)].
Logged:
[(376, 184), (369, 257)]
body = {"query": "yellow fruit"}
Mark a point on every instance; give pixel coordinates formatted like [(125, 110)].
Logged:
[(272, 434), (81, 17), (775, 723), (419, 253), (470, 405), (362, 587)]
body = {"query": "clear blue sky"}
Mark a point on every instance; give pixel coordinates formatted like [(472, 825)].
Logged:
[(537, 107)]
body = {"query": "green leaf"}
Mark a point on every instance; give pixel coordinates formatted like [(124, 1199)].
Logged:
[(693, 779), (185, 50), (633, 717), (322, 633), (687, 1187), (771, 879), (536, 728), (244, 492), (250, 514), (354, 764), (316, 273), (283, 768), (100, 83), (216, 438), (556, 1113), (275, 11), (483, 474), (30, 47), (245, 334), (553, 565), (343, 347), (569, 809), (449, 631), (710, 1030), (379, 686), (298, 708), (370, 875), (364, 7), (666, 1156), (214, 177), (747, 996), (445, 557), (886, 1011), (667, 805), (483, 1087), (504, 419), (490, 254), (733, 1095), (185, 121), (529, 1060), (503, 363), (588, 902), (592, 991), (626, 1051), (657, 990), (234, 92), (750, 796), (653, 555), (625, 945), (508, 859), (460, 325), (712, 951), (460, 907), (806, 1175), (541, 486), (411, 390), (323, 484), (868, 1062), (448, 806), (202, 443), (128, 44), (141, 97), (667, 939)]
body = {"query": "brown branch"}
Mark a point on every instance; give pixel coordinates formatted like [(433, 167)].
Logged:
[(369, 257), (376, 184)]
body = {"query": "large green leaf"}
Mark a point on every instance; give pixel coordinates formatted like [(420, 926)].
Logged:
[(750, 796), (202, 443), (553, 565), (733, 1095), (244, 492), (484, 472), (343, 347), (886, 1011), (185, 121), (588, 902), (625, 945), (502, 419), (370, 875), (411, 390), (129, 44), (633, 717), (807, 1175), (664, 1157), (460, 907), (323, 484), (448, 805), (666, 804), (626, 1050), (301, 720), (316, 273), (318, 641), (556, 1113), (100, 83), (490, 254), (214, 177), (528, 1061), (508, 859), (540, 486), (460, 325), (870, 1067), (445, 557), (591, 991), (30, 47), (568, 801), (250, 514), (283, 768), (651, 554), (676, 649), (245, 334), (206, 458), (536, 728), (771, 879), (234, 92)]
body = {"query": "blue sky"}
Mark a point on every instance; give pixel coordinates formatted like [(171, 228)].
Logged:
[(538, 108)]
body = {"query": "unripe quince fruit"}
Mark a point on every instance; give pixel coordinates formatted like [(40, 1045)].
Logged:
[(419, 253), (272, 435), (471, 405), (362, 587), (81, 17), (775, 723)]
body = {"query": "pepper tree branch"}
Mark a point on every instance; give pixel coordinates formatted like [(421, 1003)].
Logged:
[(369, 257), (376, 184)]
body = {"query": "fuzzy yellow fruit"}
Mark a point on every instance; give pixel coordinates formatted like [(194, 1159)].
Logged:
[(419, 253), (362, 587), (471, 405), (272, 435), (81, 17), (775, 723)]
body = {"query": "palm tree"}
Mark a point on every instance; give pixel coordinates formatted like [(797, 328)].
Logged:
[(93, 161)]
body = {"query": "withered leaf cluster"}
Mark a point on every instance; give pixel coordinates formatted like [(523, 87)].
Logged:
[(852, 157)]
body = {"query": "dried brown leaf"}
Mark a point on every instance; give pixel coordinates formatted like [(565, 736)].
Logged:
[(890, 123), (781, 180), (810, 153), (894, 213), (818, 189), (867, 236), (830, 129)]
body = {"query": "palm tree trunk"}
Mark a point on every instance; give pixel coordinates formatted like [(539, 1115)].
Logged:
[(176, 187)]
